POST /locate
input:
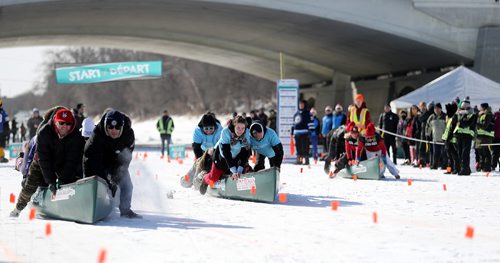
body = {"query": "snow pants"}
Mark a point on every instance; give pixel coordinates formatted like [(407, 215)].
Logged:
[(168, 138), (302, 145), (126, 189), (314, 143), (495, 154), (484, 153), (452, 154), (436, 155), (390, 143), (32, 182), (464, 144), (387, 161)]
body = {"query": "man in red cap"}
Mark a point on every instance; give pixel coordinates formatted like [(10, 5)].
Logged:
[(58, 158), (60, 149), (359, 114), (374, 146)]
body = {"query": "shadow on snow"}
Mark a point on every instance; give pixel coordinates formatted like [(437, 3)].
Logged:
[(156, 221), (315, 201)]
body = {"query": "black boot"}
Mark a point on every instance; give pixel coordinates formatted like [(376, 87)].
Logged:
[(203, 187), (130, 214), (327, 166), (486, 167), (307, 159)]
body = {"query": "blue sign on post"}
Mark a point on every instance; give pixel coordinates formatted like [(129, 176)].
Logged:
[(15, 149), (177, 151), (96, 73)]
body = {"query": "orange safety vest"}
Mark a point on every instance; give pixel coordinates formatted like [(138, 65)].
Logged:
[(361, 124)]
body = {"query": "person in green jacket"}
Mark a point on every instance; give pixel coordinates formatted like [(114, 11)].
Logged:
[(165, 125), (485, 135), (464, 132)]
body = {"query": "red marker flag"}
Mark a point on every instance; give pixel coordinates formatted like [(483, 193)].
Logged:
[(102, 256), (48, 229), (32, 213), (282, 198)]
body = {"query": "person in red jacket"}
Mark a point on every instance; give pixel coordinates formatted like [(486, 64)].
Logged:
[(351, 141), (374, 146)]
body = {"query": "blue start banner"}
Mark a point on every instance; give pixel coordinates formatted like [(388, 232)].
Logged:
[(95, 73)]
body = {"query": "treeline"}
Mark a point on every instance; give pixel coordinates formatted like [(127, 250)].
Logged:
[(187, 87)]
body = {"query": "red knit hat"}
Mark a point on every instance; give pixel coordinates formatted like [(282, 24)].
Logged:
[(352, 128), (64, 115), (370, 130)]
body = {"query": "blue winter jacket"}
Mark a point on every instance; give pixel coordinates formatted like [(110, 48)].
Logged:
[(327, 124), (338, 119)]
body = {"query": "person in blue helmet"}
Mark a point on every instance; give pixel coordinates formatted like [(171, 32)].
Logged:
[(266, 142)]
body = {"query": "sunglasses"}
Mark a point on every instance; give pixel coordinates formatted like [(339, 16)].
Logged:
[(65, 123), (116, 127), (209, 128)]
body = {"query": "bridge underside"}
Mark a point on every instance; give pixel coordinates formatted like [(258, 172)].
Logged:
[(244, 38)]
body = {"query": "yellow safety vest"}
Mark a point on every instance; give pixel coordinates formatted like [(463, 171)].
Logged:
[(361, 124), (466, 130), (447, 131), (484, 132)]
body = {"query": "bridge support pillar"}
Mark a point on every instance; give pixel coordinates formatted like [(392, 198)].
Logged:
[(338, 92), (342, 91), (487, 60)]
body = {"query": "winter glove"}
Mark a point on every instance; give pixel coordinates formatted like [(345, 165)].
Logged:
[(53, 188), (233, 170), (356, 162), (240, 170), (113, 188)]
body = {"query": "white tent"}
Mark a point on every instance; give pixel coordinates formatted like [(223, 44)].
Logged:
[(460, 82)]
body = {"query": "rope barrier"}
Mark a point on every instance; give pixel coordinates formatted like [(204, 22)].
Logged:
[(424, 141)]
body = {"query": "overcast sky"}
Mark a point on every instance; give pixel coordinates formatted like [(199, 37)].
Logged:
[(19, 69)]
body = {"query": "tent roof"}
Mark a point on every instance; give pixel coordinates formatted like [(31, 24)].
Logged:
[(460, 82)]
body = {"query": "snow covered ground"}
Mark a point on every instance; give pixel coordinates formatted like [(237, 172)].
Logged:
[(417, 223)]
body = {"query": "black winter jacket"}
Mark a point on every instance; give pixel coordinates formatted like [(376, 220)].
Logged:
[(388, 121), (59, 158), (104, 155)]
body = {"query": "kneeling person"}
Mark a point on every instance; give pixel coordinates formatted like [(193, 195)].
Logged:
[(231, 153), (266, 142), (57, 156), (108, 153), (374, 146)]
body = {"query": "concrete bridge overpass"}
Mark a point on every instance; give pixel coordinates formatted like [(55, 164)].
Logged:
[(322, 40)]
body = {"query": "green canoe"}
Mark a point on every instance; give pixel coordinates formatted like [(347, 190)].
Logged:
[(86, 201), (368, 169), (265, 185)]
